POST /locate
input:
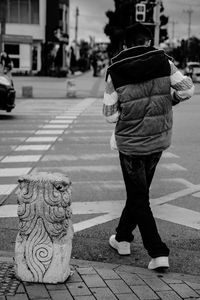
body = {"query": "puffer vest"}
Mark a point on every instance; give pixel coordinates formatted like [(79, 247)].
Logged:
[(141, 77)]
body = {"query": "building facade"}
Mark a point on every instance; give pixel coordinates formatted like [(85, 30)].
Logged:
[(29, 25)]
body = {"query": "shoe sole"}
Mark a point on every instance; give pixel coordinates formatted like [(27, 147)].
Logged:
[(118, 250)]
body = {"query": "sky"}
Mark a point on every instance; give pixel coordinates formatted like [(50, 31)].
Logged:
[(92, 18)]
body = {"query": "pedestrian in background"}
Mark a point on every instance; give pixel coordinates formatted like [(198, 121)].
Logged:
[(138, 98)]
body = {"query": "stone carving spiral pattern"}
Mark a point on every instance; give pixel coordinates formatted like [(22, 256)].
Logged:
[(44, 216)]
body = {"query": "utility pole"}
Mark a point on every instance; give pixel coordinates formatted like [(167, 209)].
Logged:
[(157, 23), (2, 22), (189, 12), (76, 29)]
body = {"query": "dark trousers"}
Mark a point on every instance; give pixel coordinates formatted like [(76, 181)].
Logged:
[(138, 172)]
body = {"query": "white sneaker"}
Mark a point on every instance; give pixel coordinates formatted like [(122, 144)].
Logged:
[(161, 262), (123, 248)]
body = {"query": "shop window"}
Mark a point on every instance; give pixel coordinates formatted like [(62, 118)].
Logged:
[(11, 49), (23, 11)]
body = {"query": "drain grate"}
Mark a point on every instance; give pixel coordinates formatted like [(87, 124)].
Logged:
[(8, 282)]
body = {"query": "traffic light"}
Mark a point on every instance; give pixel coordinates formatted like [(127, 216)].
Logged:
[(140, 12)]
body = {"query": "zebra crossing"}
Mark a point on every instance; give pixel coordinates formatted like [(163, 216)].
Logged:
[(76, 141)]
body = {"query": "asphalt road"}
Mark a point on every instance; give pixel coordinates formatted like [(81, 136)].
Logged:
[(36, 132)]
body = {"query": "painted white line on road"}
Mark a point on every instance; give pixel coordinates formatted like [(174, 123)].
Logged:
[(66, 117), (33, 147), (21, 158), (67, 121), (173, 167), (89, 157), (169, 155), (179, 180), (13, 172), (41, 139), (111, 210), (56, 126), (197, 195), (178, 215), (6, 189), (49, 132), (175, 195), (67, 169)]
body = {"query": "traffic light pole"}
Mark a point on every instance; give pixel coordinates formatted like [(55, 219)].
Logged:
[(157, 24)]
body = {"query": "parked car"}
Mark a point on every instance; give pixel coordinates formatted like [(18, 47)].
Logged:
[(193, 70), (7, 93)]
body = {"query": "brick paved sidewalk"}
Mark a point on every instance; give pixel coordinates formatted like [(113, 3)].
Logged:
[(94, 280)]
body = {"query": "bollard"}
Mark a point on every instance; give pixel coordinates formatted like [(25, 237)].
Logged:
[(71, 89), (27, 92), (44, 241)]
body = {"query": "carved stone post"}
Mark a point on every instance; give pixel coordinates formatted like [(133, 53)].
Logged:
[(44, 241)]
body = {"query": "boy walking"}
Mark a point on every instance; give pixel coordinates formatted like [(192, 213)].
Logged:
[(138, 99)]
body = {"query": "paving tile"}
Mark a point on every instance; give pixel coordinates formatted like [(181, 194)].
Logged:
[(127, 297), (86, 271), (194, 286), (184, 290), (156, 284), (60, 295), (169, 295), (36, 291), (75, 277), (84, 298), (55, 287), (107, 274), (78, 289), (103, 294), (93, 281), (171, 280), (20, 290), (18, 297), (118, 286), (2, 298), (144, 292), (131, 279)]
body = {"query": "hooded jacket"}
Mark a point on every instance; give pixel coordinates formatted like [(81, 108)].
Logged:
[(141, 78)]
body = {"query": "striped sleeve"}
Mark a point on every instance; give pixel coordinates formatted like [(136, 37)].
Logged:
[(182, 85), (110, 102)]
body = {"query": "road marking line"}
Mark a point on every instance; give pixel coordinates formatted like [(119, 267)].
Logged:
[(63, 157), (68, 169), (169, 155), (67, 121), (178, 215), (66, 117), (42, 139), (56, 126), (13, 172), (173, 167), (21, 158), (180, 180), (111, 210), (50, 132), (7, 189), (33, 147)]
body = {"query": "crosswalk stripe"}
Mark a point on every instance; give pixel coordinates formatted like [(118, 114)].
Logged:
[(6, 189), (13, 172), (49, 132), (32, 147), (42, 139), (59, 121), (173, 167), (56, 126), (20, 158)]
